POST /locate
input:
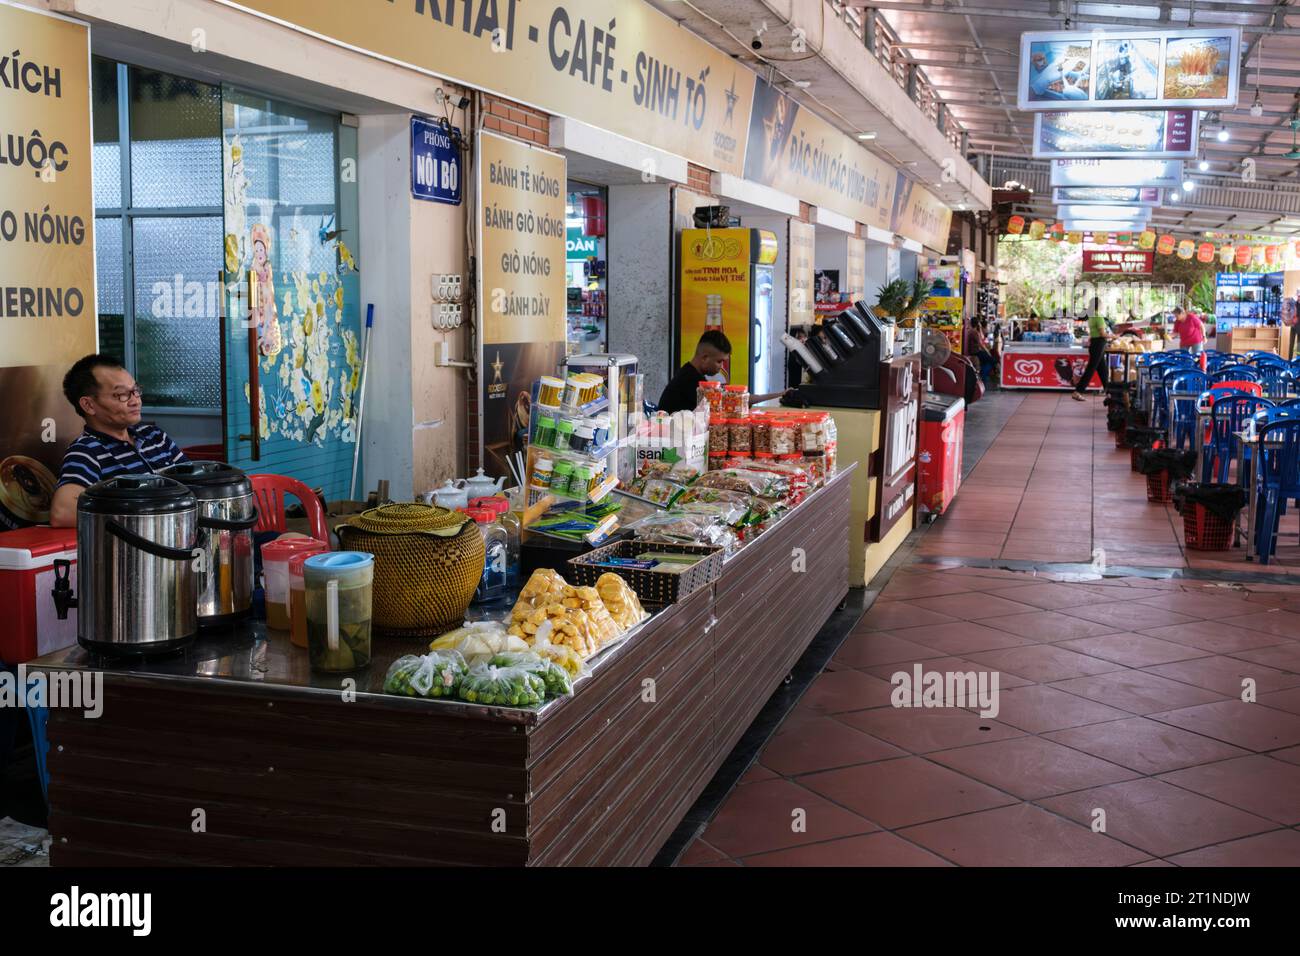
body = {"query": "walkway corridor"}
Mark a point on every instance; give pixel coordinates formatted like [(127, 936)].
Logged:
[(1121, 736)]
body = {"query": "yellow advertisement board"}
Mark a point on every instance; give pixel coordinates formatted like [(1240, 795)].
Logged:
[(47, 250), (522, 245), (855, 282), (922, 216), (715, 290), (617, 64)]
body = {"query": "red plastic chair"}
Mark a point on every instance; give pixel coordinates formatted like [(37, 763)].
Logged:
[(269, 490), (1253, 388)]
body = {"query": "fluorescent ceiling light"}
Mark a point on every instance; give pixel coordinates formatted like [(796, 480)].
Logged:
[(870, 135), (1102, 225)]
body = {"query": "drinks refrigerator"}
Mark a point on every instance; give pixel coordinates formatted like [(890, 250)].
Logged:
[(725, 282)]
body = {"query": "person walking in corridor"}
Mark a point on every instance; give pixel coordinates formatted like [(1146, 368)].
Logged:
[(1097, 338)]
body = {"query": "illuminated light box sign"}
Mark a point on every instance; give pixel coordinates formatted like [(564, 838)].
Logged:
[(1150, 69), (1152, 134), (1118, 261), (1151, 173), (1102, 225), (1140, 195), (1087, 211)]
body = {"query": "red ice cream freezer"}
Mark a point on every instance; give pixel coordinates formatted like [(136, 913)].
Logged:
[(943, 424), (29, 624)]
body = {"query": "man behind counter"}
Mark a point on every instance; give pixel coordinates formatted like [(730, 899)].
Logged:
[(680, 394), (114, 442)]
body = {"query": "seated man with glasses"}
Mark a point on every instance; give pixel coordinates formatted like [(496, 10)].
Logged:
[(114, 442)]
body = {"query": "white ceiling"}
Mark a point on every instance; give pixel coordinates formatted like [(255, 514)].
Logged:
[(969, 51)]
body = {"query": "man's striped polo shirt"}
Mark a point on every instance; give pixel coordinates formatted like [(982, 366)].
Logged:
[(95, 456)]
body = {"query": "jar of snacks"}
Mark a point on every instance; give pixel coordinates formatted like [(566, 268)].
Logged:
[(541, 481), (740, 437), (550, 392), (563, 434), (761, 431), (815, 462), (584, 437), (561, 475), (718, 460), (735, 402), (814, 438), (582, 482), (710, 392), (544, 434), (719, 435), (784, 434), (573, 387)]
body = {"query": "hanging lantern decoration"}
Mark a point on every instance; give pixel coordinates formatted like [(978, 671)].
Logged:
[(1297, 248), (1016, 225), (1243, 255), (1186, 249), (1147, 239), (1165, 245), (1057, 232), (1258, 256), (1226, 254), (1270, 255), (1074, 237), (1124, 238), (1037, 228), (1205, 252)]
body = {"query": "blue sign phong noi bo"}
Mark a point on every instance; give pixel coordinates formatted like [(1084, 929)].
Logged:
[(435, 162)]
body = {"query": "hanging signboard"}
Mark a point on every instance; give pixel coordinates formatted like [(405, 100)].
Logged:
[(1154, 69), (1130, 195), (1151, 173), (435, 161), (1118, 261), (1099, 225), (521, 238), (794, 150), (1151, 134), (47, 268), (620, 65)]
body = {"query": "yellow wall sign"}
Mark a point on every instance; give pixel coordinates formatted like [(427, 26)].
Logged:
[(522, 192), (617, 64), (47, 249), (855, 283), (796, 151)]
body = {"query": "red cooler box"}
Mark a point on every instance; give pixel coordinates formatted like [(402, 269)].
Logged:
[(29, 625), (943, 422)]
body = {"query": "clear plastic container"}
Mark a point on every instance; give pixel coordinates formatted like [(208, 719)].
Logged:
[(496, 564), (542, 470), (298, 600), (719, 435), (784, 433), (584, 438), (583, 481), (740, 437), (761, 431), (275, 574), (563, 434), (339, 591)]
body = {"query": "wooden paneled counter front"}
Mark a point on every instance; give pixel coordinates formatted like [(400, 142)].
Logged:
[(289, 769)]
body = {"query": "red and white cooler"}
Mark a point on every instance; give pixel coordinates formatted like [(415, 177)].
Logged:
[(30, 626), (943, 427)]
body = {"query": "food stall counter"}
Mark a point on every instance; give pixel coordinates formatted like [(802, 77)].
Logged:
[(293, 767)]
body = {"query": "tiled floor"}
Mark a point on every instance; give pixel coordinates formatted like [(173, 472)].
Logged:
[(1139, 720)]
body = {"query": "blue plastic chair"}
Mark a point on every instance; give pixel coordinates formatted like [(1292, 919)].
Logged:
[(1278, 477), (1278, 380), (1186, 386), (1227, 418), (1216, 360), (1236, 373)]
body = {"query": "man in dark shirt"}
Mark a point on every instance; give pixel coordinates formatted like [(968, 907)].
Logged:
[(114, 442), (712, 350)]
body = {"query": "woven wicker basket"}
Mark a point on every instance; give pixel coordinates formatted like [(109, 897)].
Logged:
[(428, 561), (655, 588)]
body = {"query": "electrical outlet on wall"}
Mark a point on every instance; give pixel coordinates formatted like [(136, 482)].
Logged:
[(447, 288)]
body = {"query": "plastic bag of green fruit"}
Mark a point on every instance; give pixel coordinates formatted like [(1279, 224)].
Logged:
[(436, 674), (502, 686), (555, 677)]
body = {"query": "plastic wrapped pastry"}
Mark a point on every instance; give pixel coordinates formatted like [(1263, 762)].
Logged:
[(620, 600)]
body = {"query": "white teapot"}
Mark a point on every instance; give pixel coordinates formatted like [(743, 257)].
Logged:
[(451, 495), (481, 486)]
